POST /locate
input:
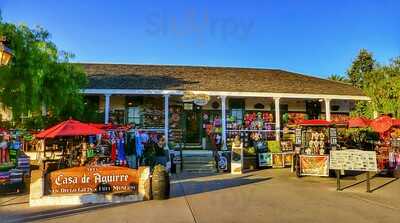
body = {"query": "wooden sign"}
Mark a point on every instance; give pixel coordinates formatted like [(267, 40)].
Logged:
[(353, 159), (93, 179), (198, 99)]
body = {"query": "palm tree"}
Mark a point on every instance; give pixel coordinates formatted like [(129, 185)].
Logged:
[(338, 78)]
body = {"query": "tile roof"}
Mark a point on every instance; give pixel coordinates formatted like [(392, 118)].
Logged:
[(202, 78)]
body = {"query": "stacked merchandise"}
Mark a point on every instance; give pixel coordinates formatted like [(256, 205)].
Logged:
[(316, 142), (175, 126), (294, 118), (255, 126), (234, 127), (289, 135), (175, 137), (212, 125), (314, 158), (4, 177), (16, 176), (153, 114), (394, 157), (382, 155), (388, 151), (11, 174), (277, 155), (260, 121), (288, 139), (23, 164), (153, 119)]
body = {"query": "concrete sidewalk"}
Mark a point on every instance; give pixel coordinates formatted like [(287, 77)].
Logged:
[(272, 195)]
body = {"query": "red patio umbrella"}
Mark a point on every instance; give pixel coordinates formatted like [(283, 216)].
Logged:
[(396, 122), (69, 128), (359, 122), (382, 124), (315, 122)]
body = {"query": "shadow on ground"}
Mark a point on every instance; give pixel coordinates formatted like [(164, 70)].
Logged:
[(185, 187), (391, 180), (182, 186)]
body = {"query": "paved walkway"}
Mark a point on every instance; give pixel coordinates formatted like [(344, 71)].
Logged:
[(272, 195)]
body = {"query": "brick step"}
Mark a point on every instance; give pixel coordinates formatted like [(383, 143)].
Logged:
[(199, 161), (197, 153)]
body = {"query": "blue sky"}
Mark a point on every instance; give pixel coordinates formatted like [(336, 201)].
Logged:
[(316, 37)]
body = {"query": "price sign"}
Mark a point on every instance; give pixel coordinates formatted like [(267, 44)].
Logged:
[(353, 159)]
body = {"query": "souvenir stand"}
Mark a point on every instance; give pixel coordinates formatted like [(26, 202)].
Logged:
[(14, 164), (255, 131), (388, 147), (93, 166), (70, 144), (316, 140), (358, 134)]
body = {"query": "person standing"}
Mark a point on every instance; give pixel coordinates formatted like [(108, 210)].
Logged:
[(160, 153), (130, 150)]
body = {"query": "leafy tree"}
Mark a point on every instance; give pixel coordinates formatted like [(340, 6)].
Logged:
[(39, 75), (363, 64), (382, 85), (338, 78)]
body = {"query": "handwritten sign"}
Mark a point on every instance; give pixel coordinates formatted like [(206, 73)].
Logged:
[(314, 165), (93, 179), (353, 159)]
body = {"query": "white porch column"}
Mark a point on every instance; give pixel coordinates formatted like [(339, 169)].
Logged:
[(327, 109), (223, 120), (107, 108), (166, 120), (277, 119)]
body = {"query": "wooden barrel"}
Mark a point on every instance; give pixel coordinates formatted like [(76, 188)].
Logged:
[(160, 183)]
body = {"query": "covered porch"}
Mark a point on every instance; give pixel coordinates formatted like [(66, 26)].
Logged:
[(210, 123)]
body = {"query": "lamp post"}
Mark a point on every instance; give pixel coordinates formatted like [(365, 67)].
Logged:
[(5, 52)]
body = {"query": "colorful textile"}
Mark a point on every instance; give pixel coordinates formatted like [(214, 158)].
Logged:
[(16, 145), (141, 139), (121, 149), (5, 175), (113, 150), (4, 156), (16, 176)]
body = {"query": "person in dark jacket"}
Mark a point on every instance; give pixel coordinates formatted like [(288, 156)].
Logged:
[(130, 150)]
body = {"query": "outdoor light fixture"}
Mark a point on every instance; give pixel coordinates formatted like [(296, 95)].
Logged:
[(5, 52)]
